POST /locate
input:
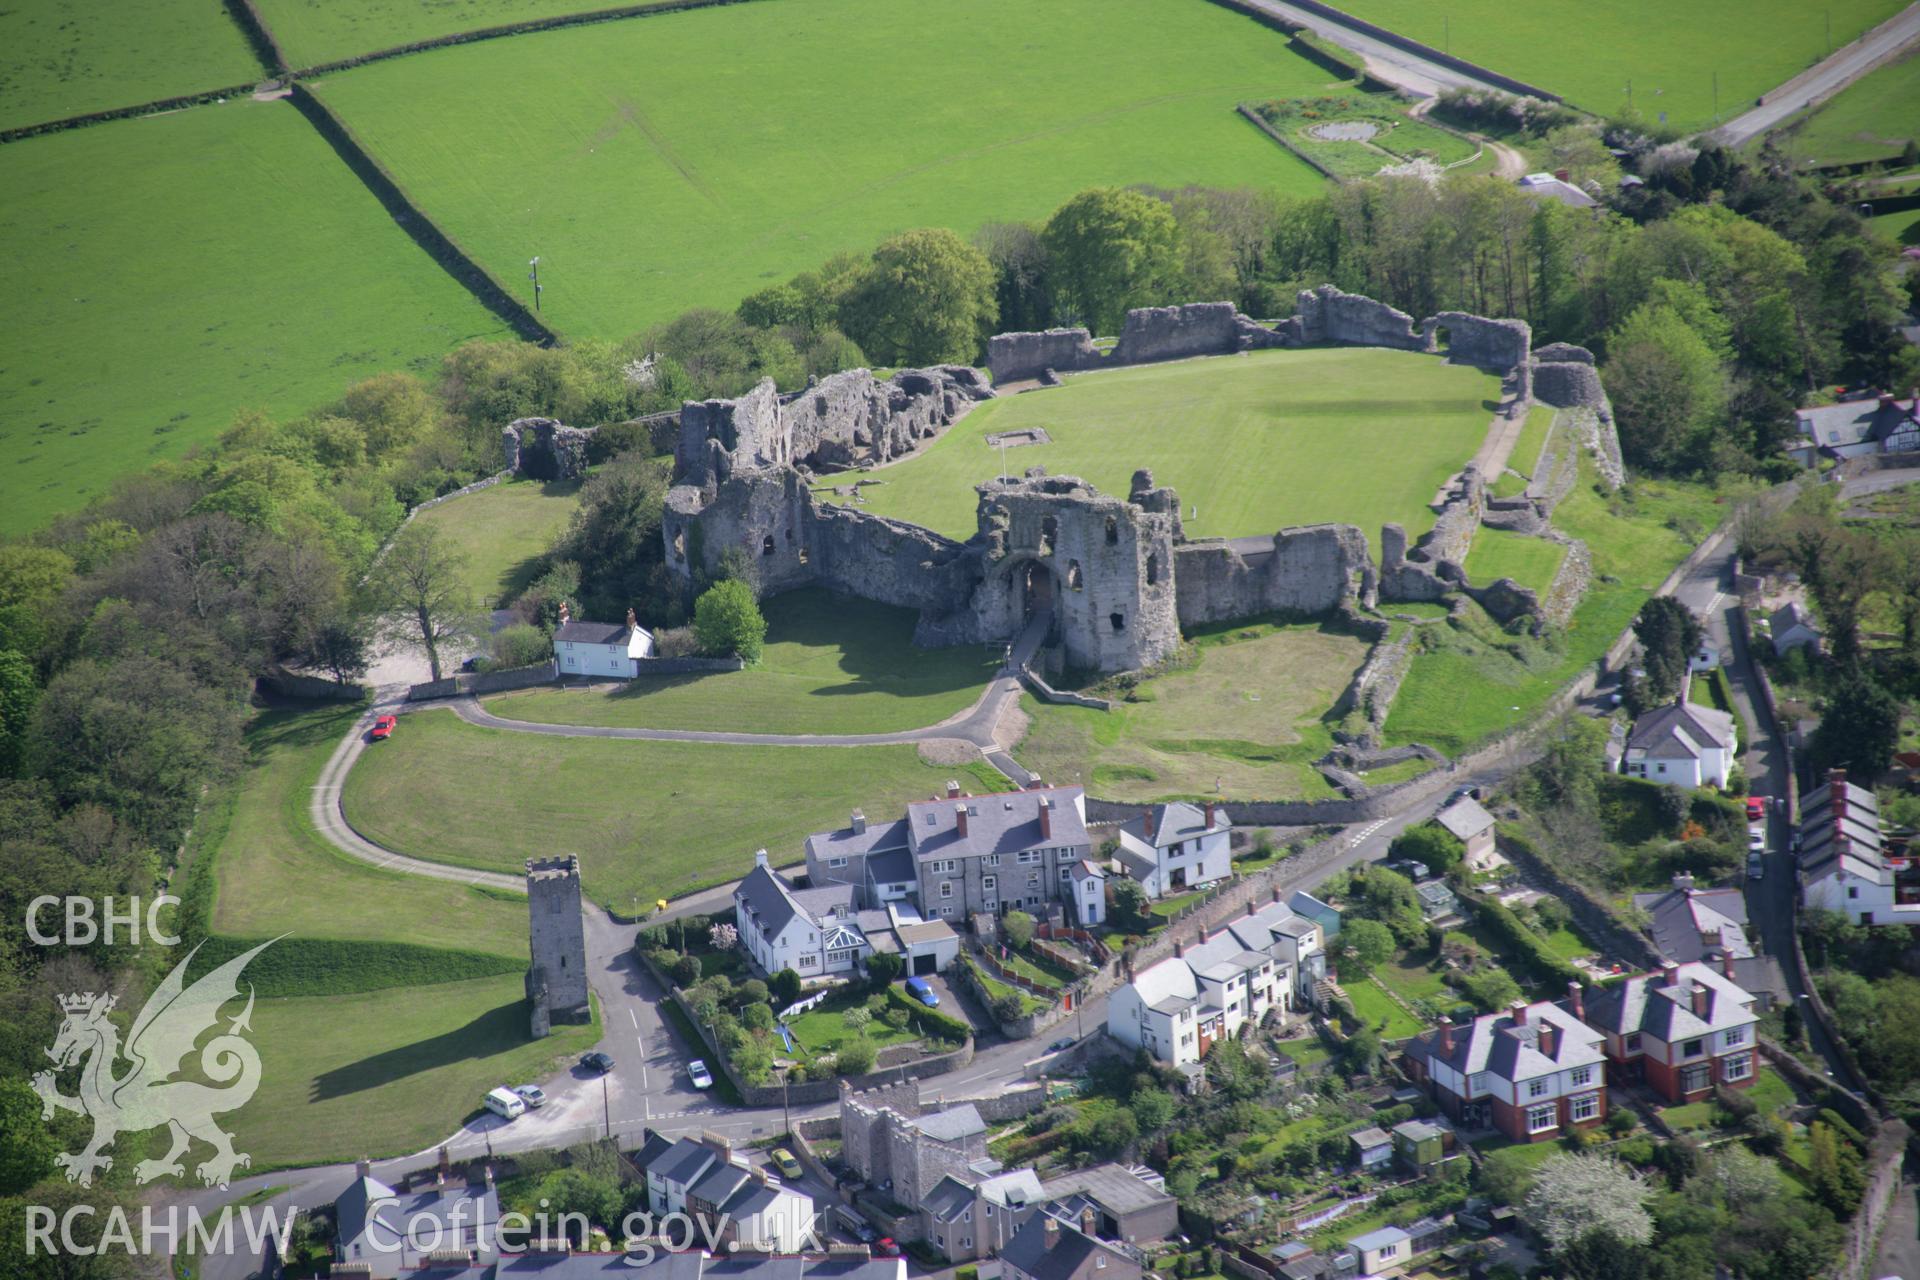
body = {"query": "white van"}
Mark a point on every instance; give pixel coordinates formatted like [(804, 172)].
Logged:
[(505, 1103)]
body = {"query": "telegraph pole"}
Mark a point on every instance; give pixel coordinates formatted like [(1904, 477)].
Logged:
[(534, 275), (1446, 37)]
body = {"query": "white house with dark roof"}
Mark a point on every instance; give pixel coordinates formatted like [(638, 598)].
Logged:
[(815, 932), (394, 1231), (1266, 961), (1684, 1029), (1168, 848), (1472, 825), (1791, 627), (1843, 861), (1854, 428), (1534, 1071), (1682, 744), (991, 854), (600, 649)]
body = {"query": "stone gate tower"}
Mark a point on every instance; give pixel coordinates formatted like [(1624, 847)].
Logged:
[(557, 979)]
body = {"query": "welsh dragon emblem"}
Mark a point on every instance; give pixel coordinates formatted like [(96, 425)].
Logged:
[(148, 1095)]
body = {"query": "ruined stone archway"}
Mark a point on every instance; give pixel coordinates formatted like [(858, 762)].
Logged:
[(1038, 588)]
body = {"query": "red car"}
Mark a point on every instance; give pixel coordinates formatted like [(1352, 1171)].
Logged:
[(383, 728), (1756, 808), (886, 1248)]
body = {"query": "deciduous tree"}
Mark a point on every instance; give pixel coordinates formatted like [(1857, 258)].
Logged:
[(1108, 250), (927, 297), (1574, 1195), (421, 587), (727, 619)]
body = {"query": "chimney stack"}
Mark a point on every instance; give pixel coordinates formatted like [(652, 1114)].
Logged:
[(1276, 893), (1209, 815), (1253, 908), (1549, 1038), (859, 822), (953, 789), (1683, 881), (1836, 775), (1046, 817), (1203, 934), (1149, 824), (1669, 973), (1179, 948), (489, 1173), (1726, 964), (566, 615), (363, 1168), (1446, 1038), (633, 620), (960, 820), (1052, 1231), (1086, 1222), (1576, 999), (1700, 996), (760, 858), (1519, 1010)]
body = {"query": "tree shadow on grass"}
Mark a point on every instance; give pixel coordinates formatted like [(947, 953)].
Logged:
[(492, 1032)]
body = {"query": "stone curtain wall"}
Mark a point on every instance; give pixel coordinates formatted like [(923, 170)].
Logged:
[(1499, 345), (1150, 334), (545, 449), (1310, 569), (1327, 314), (1021, 357)]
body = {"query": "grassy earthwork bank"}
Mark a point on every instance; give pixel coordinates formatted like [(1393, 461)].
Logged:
[(648, 819), (502, 532), (165, 273), (689, 159), (1497, 553), (1525, 458), (833, 664), (1477, 681), (1871, 119), (1588, 53), (1258, 442), (1245, 712), (59, 59)]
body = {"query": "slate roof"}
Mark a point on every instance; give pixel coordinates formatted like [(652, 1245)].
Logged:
[(1175, 822), (1493, 1043), (893, 865), (684, 1162), (392, 1224), (1370, 1138), (1071, 1251), (603, 633), (774, 902), (1647, 1003), (1691, 924), (1830, 844), (717, 1185), (949, 1198), (691, 1265), (1788, 616), (1116, 1187), (1547, 187), (1005, 822), (1166, 987), (952, 1124), (1223, 958), (1086, 870), (1854, 422), (848, 843), (1465, 818), (1681, 731)]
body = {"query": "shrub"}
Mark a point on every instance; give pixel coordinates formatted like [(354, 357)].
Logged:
[(785, 987), (855, 1056), (521, 645), (675, 642), (757, 1017), (727, 620), (1008, 1007), (685, 971)]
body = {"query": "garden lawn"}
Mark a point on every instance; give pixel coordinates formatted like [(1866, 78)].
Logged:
[(59, 59), (502, 531), (389, 1072), (1309, 1052), (820, 1030), (1902, 228), (1670, 53), (315, 31), (1871, 119), (1499, 553), (165, 273), (1457, 696), (833, 664), (691, 158), (1770, 1092), (1244, 720), (273, 873), (1374, 1005), (1388, 774), (1356, 435), (648, 819)]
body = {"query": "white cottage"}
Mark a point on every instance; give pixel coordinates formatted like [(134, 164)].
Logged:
[(602, 649), (1170, 848), (814, 932)]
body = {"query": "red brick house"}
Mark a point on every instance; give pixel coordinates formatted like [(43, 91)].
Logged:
[(1683, 1030), (1533, 1072)]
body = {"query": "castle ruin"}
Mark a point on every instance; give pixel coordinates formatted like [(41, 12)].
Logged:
[(557, 979)]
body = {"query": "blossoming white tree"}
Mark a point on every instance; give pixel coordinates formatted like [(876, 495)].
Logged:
[(1573, 1196), (723, 937)]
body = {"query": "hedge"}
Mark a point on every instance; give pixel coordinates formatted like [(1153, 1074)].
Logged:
[(1533, 951), (930, 1020)]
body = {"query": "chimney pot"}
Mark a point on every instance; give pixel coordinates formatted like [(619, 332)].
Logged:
[(1683, 881)]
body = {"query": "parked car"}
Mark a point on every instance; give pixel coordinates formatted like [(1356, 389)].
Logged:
[(854, 1225), (922, 990), (885, 1247), (1756, 867), (698, 1073), (789, 1167), (1756, 808), (532, 1094), (1062, 1045), (383, 728), (505, 1103), (1757, 838), (597, 1061)]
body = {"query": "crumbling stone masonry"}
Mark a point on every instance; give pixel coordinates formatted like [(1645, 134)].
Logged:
[(544, 449), (1327, 314), (1564, 376), (1150, 334), (557, 979), (1308, 569)]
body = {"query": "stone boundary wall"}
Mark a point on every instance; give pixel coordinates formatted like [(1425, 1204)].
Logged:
[(289, 684), (488, 483), (1061, 697), (1022, 1028), (1886, 1154), (452, 259), (1495, 78), (687, 666), (1310, 569), (482, 682), (805, 1092), (1569, 585), (1150, 334), (1298, 153)]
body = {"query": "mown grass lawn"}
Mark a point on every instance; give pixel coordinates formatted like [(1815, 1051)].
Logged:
[(1388, 774), (822, 1029), (1378, 1010), (1354, 435), (1460, 694), (59, 59), (1525, 457), (1871, 119), (1246, 717), (1308, 1052), (833, 664), (164, 274), (388, 1072), (502, 531), (692, 158), (1500, 553), (648, 819), (1670, 53), (273, 873)]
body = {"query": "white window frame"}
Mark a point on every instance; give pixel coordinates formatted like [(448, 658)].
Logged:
[(1736, 1036), (946, 888), (1583, 1108), (1537, 1088), (1583, 1075), (1552, 1113), (987, 883), (1744, 1060)]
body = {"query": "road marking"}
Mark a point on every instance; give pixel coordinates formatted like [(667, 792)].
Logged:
[(1366, 832)]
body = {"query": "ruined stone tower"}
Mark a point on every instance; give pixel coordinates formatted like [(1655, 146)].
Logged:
[(557, 979)]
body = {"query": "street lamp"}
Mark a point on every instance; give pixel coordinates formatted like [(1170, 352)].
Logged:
[(785, 1067), (534, 275)]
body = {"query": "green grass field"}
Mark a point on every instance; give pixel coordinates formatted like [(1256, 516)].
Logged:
[(1248, 716), (648, 819), (1529, 561), (1378, 1010), (1259, 442), (59, 60), (274, 874), (1871, 119), (1399, 136), (502, 531), (833, 664), (1588, 53), (689, 159), (1902, 228), (1457, 696), (315, 31), (387, 1072), (163, 274)]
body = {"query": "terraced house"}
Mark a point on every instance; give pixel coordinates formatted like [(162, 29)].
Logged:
[(1534, 1072), (1010, 851)]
